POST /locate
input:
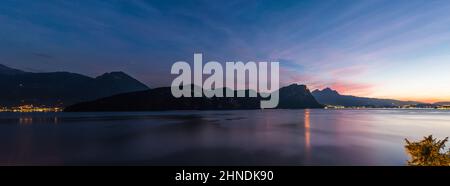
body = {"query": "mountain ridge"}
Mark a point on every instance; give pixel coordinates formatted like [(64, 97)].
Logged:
[(159, 99), (5, 70), (329, 96), (60, 88)]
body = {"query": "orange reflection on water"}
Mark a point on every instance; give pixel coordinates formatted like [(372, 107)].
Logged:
[(307, 130)]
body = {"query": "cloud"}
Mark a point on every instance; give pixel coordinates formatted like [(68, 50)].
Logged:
[(342, 84), (349, 71), (350, 45), (352, 88), (43, 55)]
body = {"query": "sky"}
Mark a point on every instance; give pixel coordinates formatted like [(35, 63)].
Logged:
[(387, 49)]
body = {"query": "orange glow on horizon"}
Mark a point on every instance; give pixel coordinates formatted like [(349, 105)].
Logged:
[(419, 99), (376, 95)]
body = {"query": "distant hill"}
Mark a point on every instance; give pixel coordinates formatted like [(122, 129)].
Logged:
[(9, 71), (60, 88), (291, 97), (442, 103), (329, 96)]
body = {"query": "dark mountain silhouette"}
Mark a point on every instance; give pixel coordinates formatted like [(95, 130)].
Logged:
[(297, 96), (291, 97), (329, 96), (60, 88), (442, 103), (4, 70)]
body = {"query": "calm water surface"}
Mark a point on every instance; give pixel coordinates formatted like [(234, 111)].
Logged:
[(256, 137)]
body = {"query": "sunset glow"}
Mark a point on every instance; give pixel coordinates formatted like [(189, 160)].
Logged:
[(384, 49)]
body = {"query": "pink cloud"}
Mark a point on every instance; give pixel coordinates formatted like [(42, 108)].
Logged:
[(315, 81), (353, 70), (352, 88)]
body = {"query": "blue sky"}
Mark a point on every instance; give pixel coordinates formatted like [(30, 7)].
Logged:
[(390, 49)]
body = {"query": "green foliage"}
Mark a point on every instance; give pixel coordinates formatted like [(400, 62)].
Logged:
[(428, 152)]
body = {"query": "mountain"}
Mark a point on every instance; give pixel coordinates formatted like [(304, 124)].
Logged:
[(297, 96), (116, 82), (442, 103), (60, 88), (329, 96), (291, 97), (4, 70)]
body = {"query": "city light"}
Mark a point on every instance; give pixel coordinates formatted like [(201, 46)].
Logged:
[(30, 108)]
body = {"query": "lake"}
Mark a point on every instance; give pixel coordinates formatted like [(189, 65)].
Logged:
[(244, 137)]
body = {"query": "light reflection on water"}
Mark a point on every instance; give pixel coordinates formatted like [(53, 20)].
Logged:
[(307, 134), (255, 137)]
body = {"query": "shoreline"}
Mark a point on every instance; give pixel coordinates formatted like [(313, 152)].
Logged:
[(136, 111)]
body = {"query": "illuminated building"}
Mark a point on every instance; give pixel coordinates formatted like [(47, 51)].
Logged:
[(30, 108)]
